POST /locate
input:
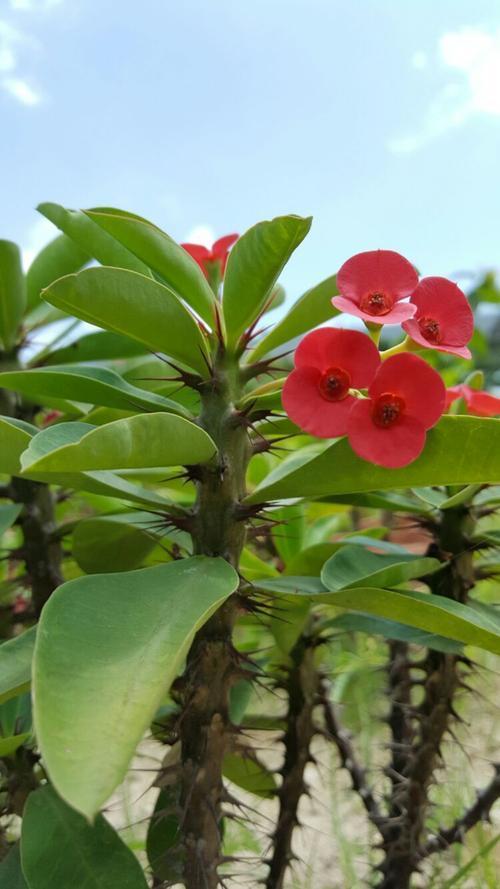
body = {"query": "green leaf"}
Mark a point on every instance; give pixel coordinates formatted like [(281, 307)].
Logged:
[(120, 542), (100, 346), (254, 265), (9, 745), (312, 309), (391, 629), (353, 566), (12, 293), (91, 238), (108, 648), (433, 614), (11, 874), (163, 846), (247, 772), (145, 440), (162, 254), (131, 304), (15, 437), (8, 515), (61, 257), (15, 664), (459, 451), (59, 848), (93, 385)]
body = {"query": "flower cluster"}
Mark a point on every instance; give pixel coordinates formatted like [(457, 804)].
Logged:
[(343, 385)]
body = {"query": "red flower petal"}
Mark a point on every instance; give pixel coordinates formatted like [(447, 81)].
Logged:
[(377, 271), (197, 251), (393, 447), (420, 387), (221, 247), (400, 311), (452, 394), (484, 404), (330, 346), (443, 309), (307, 408)]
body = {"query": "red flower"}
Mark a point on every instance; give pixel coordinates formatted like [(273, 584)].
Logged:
[(483, 404), (328, 363), (373, 284), (218, 254), (443, 319), (406, 398)]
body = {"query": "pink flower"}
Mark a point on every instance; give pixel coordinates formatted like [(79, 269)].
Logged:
[(443, 319), (373, 284), (328, 363), (406, 398)]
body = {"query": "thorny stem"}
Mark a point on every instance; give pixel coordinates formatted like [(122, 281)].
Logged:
[(479, 811), (348, 757), (212, 663), (426, 724), (301, 686)]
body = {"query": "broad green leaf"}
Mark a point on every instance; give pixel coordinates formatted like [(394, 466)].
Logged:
[(390, 629), (354, 566), (312, 309), (61, 850), (8, 515), (133, 443), (91, 238), (16, 715), (98, 683), (433, 614), (11, 874), (105, 544), (250, 774), (120, 542), (15, 437), (100, 346), (129, 303), (93, 385), (459, 451), (162, 254), (15, 664), (61, 257), (393, 501), (163, 846), (288, 536), (12, 293), (9, 745), (254, 265)]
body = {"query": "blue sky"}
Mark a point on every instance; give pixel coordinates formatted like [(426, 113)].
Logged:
[(381, 118)]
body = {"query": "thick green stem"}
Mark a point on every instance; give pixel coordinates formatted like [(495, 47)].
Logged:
[(212, 664)]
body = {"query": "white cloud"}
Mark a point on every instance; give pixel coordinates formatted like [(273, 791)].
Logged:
[(21, 90), (201, 234), (29, 5), (10, 38), (473, 55), (40, 233)]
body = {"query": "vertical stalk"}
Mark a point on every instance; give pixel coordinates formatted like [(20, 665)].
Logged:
[(302, 687), (212, 663), (432, 717)]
